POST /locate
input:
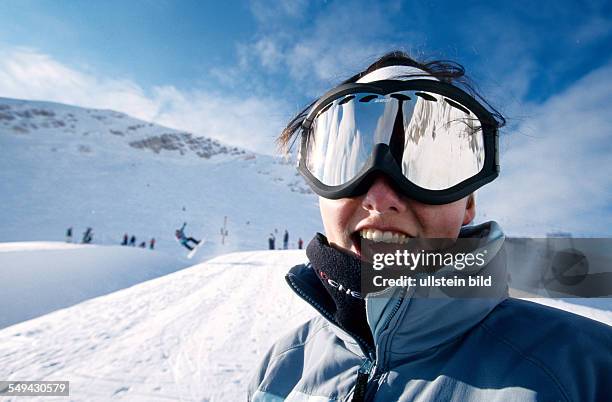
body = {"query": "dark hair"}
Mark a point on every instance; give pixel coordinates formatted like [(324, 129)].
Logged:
[(445, 70)]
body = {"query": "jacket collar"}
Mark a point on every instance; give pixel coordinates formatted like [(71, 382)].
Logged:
[(404, 323)]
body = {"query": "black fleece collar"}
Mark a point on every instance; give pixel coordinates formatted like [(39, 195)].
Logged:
[(340, 274)]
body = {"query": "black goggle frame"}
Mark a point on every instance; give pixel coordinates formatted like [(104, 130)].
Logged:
[(382, 161)]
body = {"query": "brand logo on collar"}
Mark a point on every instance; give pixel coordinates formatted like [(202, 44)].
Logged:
[(340, 287)]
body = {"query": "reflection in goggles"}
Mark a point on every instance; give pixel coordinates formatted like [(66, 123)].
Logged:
[(442, 142), (444, 146)]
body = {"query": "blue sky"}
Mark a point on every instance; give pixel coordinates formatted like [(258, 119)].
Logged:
[(150, 42), (518, 52), (237, 71)]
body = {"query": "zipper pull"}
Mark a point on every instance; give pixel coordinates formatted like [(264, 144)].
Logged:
[(362, 381)]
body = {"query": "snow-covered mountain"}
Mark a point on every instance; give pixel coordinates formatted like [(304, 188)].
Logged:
[(64, 166)]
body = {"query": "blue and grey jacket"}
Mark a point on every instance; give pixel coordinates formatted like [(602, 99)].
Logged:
[(441, 349)]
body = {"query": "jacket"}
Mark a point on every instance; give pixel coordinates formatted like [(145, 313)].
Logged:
[(493, 348)]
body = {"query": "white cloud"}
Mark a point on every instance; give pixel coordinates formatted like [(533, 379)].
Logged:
[(270, 11), (243, 120), (555, 170), (319, 48), (269, 53)]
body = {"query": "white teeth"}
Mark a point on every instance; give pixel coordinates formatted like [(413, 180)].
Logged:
[(385, 237), (376, 235)]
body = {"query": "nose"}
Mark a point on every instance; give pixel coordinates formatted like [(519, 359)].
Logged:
[(382, 198)]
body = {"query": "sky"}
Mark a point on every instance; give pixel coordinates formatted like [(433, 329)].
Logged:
[(238, 71)]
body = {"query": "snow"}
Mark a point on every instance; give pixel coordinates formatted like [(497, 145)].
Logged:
[(38, 246), (41, 277), (192, 335)]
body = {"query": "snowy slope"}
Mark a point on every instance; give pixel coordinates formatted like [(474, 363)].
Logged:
[(63, 166), (193, 335), (39, 277)]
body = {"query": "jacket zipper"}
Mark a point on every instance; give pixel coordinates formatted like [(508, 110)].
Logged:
[(363, 374), (378, 370), (395, 308), (361, 385)]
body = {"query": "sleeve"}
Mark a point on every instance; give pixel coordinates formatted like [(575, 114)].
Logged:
[(258, 375)]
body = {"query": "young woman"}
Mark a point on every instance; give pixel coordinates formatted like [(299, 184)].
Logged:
[(396, 153)]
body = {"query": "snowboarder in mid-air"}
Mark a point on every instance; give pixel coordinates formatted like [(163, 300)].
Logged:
[(184, 240)]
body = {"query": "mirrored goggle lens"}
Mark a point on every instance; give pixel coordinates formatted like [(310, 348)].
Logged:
[(437, 142)]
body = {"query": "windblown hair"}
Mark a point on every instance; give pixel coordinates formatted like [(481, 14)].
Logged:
[(444, 70)]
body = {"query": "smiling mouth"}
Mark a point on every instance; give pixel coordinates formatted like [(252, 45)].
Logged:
[(386, 236), (375, 236)]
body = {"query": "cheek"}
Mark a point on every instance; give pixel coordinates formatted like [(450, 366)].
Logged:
[(441, 221), (337, 216)]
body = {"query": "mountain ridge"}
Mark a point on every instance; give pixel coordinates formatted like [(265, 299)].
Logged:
[(26, 117)]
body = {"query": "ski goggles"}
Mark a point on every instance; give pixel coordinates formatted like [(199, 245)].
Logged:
[(434, 141)]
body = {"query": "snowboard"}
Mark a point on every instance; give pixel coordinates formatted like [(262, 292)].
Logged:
[(195, 249)]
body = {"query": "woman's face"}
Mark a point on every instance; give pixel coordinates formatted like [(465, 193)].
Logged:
[(384, 212)]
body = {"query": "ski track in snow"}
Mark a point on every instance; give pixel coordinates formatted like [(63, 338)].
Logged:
[(193, 335)]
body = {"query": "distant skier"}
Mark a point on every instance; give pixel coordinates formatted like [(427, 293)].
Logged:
[(132, 241), (184, 240), (286, 240), (143, 244), (125, 240), (271, 241), (300, 243), (88, 236), (152, 243), (69, 235)]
